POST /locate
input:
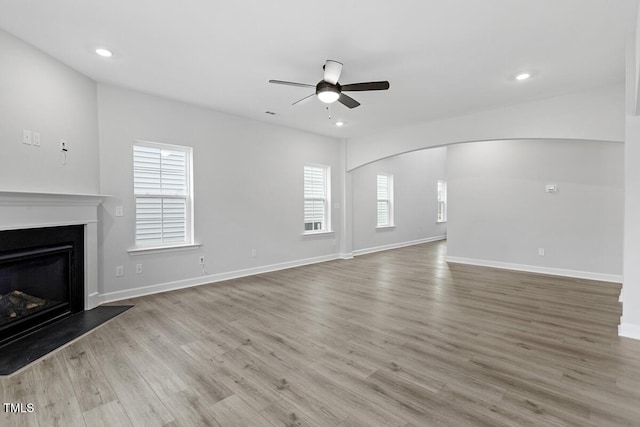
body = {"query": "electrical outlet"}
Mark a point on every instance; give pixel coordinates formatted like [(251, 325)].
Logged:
[(119, 271), (202, 260), (541, 251), (119, 211), (254, 253), (26, 136), (36, 139), (138, 268)]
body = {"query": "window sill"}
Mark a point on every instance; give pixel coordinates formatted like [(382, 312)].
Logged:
[(161, 249), (317, 233), (385, 227)]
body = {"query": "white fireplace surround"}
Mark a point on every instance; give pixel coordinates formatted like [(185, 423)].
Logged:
[(22, 210)]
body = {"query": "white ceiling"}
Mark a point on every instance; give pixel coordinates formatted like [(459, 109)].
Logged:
[(442, 58)]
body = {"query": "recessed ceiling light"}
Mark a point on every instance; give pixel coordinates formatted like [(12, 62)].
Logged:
[(339, 124), (104, 52), (523, 76)]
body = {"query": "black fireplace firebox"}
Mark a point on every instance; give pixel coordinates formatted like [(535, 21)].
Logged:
[(41, 278)]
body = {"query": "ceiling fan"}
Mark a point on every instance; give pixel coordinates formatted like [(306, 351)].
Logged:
[(328, 89)]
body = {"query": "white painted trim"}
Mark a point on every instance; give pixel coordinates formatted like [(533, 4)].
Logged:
[(48, 224), (161, 249), (91, 265), (346, 255), (21, 198), (385, 227), (93, 300), (537, 269), (212, 278), (629, 330), (318, 233), (358, 252)]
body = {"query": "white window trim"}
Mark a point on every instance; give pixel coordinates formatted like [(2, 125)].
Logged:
[(327, 201), (318, 233), (385, 227), (144, 250), (189, 237), (390, 201)]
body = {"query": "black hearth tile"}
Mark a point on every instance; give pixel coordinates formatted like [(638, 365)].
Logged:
[(20, 353)]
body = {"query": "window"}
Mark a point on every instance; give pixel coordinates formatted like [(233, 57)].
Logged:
[(442, 201), (385, 200), (317, 199), (162, 189)]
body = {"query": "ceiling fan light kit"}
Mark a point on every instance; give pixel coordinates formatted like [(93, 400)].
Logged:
[(328, 90), (327, 93)]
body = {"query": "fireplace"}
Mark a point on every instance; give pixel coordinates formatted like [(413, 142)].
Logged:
[(41, 277), (22, 210)]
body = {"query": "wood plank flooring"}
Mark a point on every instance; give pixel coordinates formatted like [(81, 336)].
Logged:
[(396, 338)]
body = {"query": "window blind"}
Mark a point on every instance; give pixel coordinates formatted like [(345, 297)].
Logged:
[(315, 198), (160, 182), (442, 201), (384, 200)]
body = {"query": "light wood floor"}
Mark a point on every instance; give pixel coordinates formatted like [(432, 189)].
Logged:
[(396, 338)]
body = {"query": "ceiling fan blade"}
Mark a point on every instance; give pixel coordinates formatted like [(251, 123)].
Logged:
[(281, 82), (305, 99), (347, 101), (367, 86), (332, 70)]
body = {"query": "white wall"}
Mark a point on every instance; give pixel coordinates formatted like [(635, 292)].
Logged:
[(500, 214), (590, 115), (630, 322), (43, 95), (415, 178), (248, 180)]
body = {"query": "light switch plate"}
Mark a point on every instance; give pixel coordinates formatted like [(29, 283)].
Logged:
[(36, 139)]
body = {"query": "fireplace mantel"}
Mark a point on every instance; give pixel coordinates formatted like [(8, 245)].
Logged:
[(8, 197), (23, 209)]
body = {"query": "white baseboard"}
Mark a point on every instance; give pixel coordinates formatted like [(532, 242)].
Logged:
[(537, 269), (629, 330), (93, 301), (397, 245), (346, 255), (212, 278)]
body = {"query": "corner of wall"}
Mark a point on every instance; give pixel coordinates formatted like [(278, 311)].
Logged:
[(629, 330)]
